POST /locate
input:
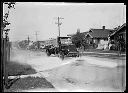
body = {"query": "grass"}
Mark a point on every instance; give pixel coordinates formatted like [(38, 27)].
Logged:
[(15, 69), (29, 83)]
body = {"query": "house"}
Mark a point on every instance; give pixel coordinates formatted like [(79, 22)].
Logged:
[(119, 35), (98, 38)]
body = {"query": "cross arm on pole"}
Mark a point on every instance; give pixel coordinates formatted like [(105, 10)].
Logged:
[(59, 23), (61, 18)]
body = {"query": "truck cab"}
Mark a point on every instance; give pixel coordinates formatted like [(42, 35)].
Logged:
[(63, 48)]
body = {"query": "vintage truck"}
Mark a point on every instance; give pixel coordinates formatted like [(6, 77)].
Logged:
[(63, 47)]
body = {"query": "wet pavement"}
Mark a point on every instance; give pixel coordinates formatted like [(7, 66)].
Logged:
[(77, 74)]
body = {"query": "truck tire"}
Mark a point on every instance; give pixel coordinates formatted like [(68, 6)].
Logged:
[(48, 54), (62, 57)]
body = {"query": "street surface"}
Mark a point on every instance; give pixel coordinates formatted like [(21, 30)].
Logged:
[(75, 74)]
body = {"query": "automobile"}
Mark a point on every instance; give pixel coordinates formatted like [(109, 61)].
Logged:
[(50, 50), (42, 47), (63, 48), (70, 51), (47, 46)]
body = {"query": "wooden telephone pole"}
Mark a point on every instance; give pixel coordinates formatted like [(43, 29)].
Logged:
[(37, 43), (36, 36), (59, 23), (28, 39)]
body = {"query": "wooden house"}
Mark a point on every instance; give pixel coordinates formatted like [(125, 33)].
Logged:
[(119, 36)]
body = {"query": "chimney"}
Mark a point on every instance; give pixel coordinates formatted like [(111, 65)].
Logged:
[(103, 27)]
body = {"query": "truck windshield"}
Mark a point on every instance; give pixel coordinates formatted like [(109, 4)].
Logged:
[(65, 41)]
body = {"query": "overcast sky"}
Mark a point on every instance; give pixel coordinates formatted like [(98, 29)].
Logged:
[(27, 18)]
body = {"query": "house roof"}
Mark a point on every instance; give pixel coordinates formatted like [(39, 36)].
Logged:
[(100, 33), (124, 25), (82, 34)]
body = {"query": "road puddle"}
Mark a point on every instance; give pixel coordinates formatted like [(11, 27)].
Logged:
[(70, 80)]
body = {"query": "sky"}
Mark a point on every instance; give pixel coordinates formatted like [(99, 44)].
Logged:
[(30, 17)]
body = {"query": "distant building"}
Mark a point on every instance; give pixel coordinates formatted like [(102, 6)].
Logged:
[(119, 35), (50, 42)]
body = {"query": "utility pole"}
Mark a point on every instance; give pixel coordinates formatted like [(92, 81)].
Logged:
[(36, 35), (58, 23), (28, 39), (37, 40)]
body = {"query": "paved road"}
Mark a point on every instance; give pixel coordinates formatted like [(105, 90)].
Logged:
[(81, 75), (76, 74)]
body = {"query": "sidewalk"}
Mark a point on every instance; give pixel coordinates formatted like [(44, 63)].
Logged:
[(102, 53)]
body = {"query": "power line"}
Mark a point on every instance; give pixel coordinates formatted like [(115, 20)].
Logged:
[(59, 23)]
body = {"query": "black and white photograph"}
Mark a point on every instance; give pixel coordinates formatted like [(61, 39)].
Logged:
[(63, 47)]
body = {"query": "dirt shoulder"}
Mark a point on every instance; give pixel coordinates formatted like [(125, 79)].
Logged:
[(18, 66)]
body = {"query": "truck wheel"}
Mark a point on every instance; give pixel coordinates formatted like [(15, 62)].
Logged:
[(59, 55), (62, 55), (48, 54)]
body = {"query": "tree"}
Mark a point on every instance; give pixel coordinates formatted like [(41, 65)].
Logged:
[(5, 22), (5, 41), (23, 44), (78, 39)]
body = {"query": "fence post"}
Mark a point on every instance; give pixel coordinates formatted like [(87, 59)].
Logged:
[(5, 63), (2, 59), (9, 47), (8, 51)]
